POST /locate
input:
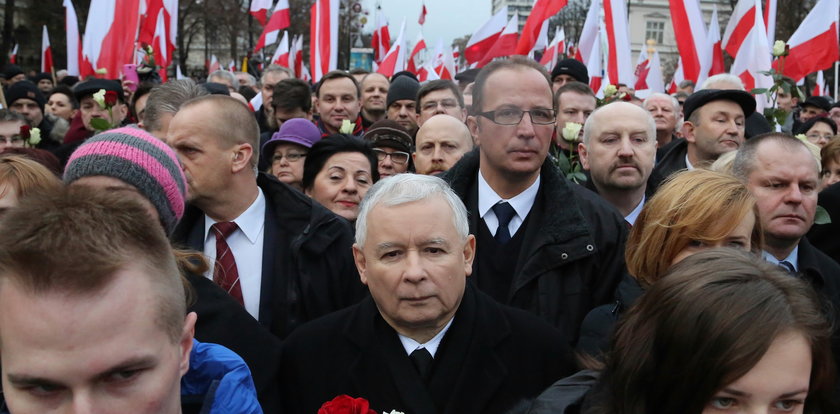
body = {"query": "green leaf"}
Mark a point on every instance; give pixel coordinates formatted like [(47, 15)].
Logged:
[(578, 177), (822, 216), (758, 91), (100, 124)]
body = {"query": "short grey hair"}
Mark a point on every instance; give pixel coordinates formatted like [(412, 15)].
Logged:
[(407, 188), (673, 100), (7, 115), (251, 80), (167, 98), (722, 78), (589, 124), (275, 69), (223, 74), (745, 158)]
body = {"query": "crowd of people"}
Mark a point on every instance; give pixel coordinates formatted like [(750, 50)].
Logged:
[(177, 247)]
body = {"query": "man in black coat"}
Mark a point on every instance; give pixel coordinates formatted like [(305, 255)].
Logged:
[(291, 257), (560, 250), (425, 342)]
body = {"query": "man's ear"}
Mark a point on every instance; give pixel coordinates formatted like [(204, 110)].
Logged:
[(469, 254), (186, 342), (688, 131), (361, 262), (472, 124), (584, 156), (242, 157)]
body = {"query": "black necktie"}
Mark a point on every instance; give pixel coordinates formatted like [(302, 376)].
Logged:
[(784, 264), (422, 360), (504, 212)]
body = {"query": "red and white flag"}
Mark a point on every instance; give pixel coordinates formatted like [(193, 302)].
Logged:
[(301, 71), (161, 51), (279, 20), (770, 20), (740, 23), (422, 19), (381, 39), (819, 87), (506, 43), (74, 50), (158, 27), (677, 79), (485, 37), (814, 45), (110, 36), (323, 38), (714, 42), (589, 34), (594, 65), (281, 54), (427, 73), (446, 69), (13, 54), (214, 64), (419, 45), (648, 75), (690, 32), (231, 66), (46, 52), (179, 75), (542, 41), (619, 62), (293, 49), (259, 9), (555, 49), (754, 57), (542, 11), (394, 60)]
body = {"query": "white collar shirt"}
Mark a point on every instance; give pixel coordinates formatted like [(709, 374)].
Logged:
[(521, 203)]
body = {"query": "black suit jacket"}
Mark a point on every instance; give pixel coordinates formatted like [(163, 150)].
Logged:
[(491, 357)]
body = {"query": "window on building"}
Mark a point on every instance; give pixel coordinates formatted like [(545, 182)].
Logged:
[(655, 30)]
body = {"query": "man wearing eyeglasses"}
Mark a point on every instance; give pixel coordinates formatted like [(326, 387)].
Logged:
[(392, 145), (10, 124), (543, 244), (440, 96)]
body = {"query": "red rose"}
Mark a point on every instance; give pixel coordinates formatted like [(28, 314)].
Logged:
[(24, 131), (110, 98), (345, 404)]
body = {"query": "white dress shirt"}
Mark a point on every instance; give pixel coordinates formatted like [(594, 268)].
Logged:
[(246, 244), (432, 345), (793, 258), (631, 218), (521, 203)]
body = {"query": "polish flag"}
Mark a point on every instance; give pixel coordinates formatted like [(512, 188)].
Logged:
[(281, 54), (109, 37), (506, 43), (589, 34), (819, 87), (427, 73), (554, 50), (394, 60), (231, 66), (542, 40), (256, 103), (71, 26), (593, 63), (46, 52), (677, 79), (419, 45), (323, 37), (301, 71), (740, 23), (214, 64), (648, 75), (446, 69), (13, 54), (159, 18), (381, 39), (714, 42), (770, 20), (619, 63), (690, 31), (293, 49), (542, 11), (423, 12), (304, 73), (161, 51), (485, 37), (814, 45), (754, 57), (279, 21), (259, 9), (179, 75)]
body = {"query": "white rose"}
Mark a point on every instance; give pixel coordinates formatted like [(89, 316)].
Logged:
[(347, 127), (99, 98), (34, 136), (778, 48), (571, 131), (610, 90)]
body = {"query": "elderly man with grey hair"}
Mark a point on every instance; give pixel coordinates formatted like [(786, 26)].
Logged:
[(618, 151), (426, 340), (164, 101), (667, 114), (270, 77), (226, 78)]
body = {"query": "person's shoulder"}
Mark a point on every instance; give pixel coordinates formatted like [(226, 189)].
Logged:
[(322, 331), (525, 327)]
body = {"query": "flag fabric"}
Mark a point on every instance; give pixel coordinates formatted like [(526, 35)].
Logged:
[(619, 63), (714, 42), (301, 71), (381, 39), (677, 78), (179, 75), (770, 20), (161, 51), (593, 63), (446, 69), (159, 19), (505, 45), (483, 39), (589, 34), (556, 48), (740, 23), (323, 37), (690, 32), (542, 40), (419, 45), (394, 60), (281, 54), (259, 9), (256, 103), (214, 64), (110, 36), (71, 27), (13, 54), (231, 66), (542, 11), (814, 45), (648, 75), (427, 73), (279, 20), (46, 52), (293, 49), (753, 58), (422, 19), (819, 86)]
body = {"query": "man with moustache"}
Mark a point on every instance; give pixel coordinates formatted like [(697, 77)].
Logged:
[(441, 141)]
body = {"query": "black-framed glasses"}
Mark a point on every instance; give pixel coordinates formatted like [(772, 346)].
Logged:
[(433, 105), (513, 116), (398, 157), (290, 157), (12, 140)]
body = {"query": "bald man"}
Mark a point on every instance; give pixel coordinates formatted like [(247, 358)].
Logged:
[(440, 143)]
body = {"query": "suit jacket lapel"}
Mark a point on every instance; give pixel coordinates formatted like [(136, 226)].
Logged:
[(269, 258)]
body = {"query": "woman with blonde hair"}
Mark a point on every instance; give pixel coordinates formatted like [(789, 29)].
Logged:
[(21, 176), (691, 212)]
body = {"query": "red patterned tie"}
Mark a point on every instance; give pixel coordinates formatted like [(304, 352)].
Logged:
[(224, 271)]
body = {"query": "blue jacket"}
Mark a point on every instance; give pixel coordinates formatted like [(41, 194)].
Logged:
[(218, 382)]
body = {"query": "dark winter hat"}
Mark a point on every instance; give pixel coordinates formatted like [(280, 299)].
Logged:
[(388, 133), (139, 159), (704, 96), (401, 88), (25, 90), (299, 131), (573, 68), (88, 88), (817, 101), (11, 70), (41, 76)]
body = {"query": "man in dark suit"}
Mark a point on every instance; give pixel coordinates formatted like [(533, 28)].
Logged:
[(425, 342), (284, 258)]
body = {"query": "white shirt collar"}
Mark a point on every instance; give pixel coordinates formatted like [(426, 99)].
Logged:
[(793, 258), (688, 163), (250, 222), (432, 345), (521, 203), (631, 218)]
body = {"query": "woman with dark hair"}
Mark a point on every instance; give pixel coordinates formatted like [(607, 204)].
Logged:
[(723, 331), (338, 172), (819, 130)]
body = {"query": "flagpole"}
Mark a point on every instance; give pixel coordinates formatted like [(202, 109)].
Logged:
[(835, 79)]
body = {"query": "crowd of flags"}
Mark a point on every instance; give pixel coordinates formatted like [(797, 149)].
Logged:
[(112, 39)]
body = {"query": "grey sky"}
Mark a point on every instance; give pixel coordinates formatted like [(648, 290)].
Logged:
[(446, 19)]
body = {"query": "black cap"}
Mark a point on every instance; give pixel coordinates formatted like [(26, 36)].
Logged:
[(573, 68), (88, 88), (25, 90), (467, 76), (704, 96), (41, 76), (817, 101), (402, 88), (216, 88), (11, 70), (388, 133)]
